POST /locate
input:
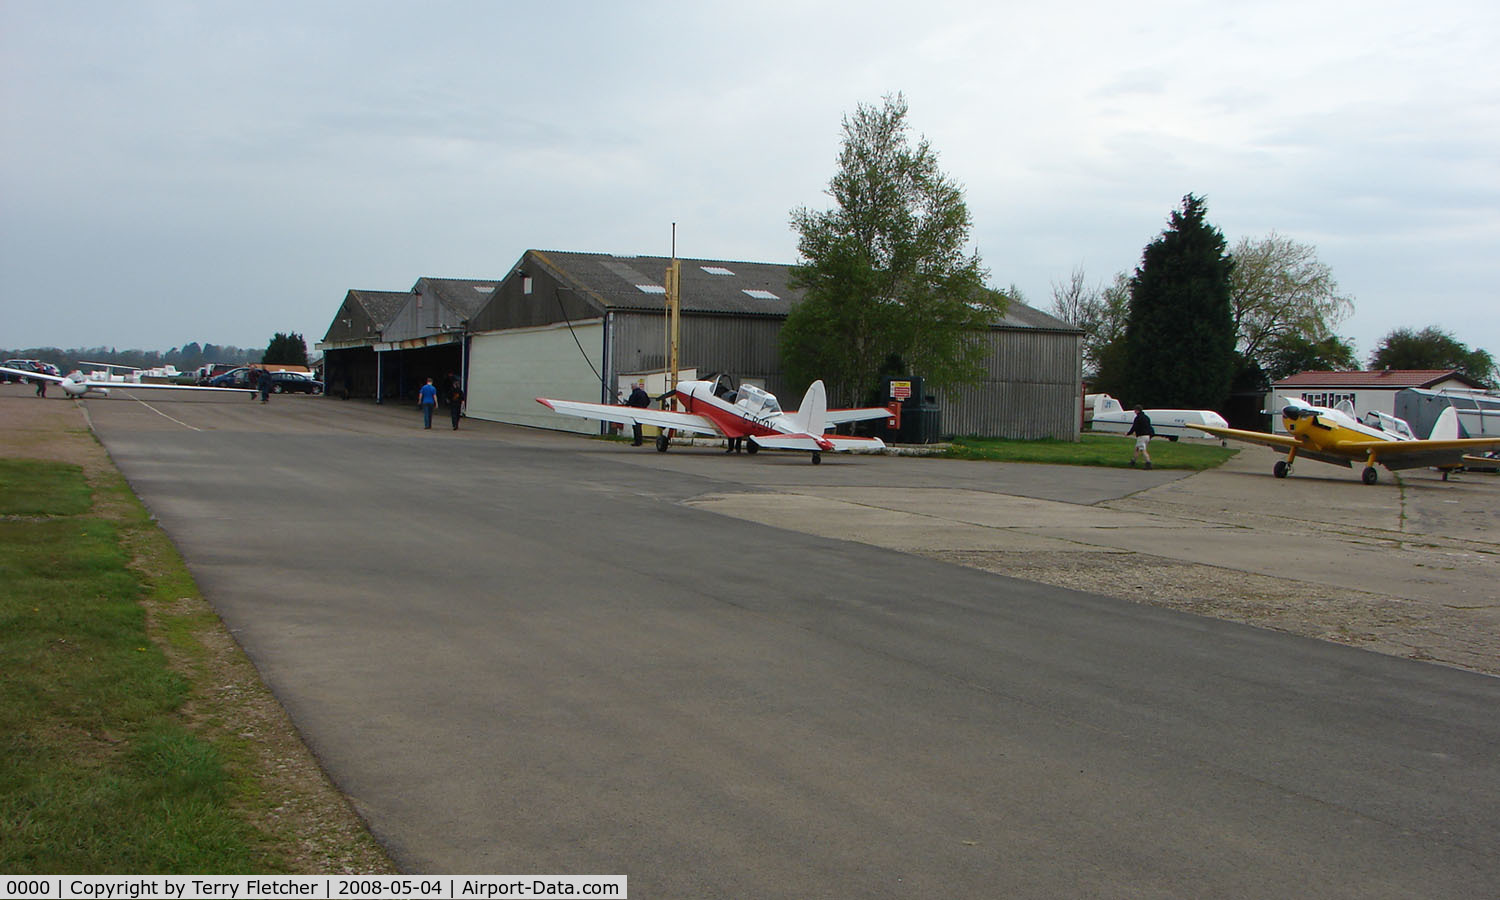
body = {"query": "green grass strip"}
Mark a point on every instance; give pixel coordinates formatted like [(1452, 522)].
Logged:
[(97, 774), (34, 487)]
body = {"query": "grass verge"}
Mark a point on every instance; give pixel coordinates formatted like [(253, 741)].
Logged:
[(118, 753), (97, 774), (1092, 450)]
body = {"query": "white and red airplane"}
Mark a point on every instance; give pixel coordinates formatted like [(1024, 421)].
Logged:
[(715, 408), (78, 385)]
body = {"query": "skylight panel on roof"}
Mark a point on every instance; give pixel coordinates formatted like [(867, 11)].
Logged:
[(761, 295), (716, 270), (484, 288), (651, 289)]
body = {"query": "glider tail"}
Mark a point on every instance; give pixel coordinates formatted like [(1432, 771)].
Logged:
[(1447, 428)]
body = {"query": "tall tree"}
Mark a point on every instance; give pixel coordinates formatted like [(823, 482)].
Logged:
[(1278, 287), (286, 349), (1179, 340), (1432, 348), (886, 271), (1292, 353), (1100, 312)]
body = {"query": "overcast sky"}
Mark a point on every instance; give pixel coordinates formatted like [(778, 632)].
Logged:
[(183, 171)]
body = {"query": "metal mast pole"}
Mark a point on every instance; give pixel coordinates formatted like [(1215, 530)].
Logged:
[(674, 316)]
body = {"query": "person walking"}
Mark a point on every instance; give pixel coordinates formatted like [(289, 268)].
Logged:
[(427, 398), (455, 401), (266, 381), (639, 399), (1143, 432)]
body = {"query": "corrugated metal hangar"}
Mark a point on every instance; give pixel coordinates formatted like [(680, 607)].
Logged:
[(578, 325)]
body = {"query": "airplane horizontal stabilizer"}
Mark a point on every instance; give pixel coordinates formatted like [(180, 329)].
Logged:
[(827, 442), (792, 442), (840, 416)]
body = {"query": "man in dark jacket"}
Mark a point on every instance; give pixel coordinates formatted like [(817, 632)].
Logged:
[(455, 401), (640, 400), (1143, 432)]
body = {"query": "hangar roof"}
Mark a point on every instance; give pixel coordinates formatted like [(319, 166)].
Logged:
[(708, 285), (381, 306), (726, 287), (463, 296)]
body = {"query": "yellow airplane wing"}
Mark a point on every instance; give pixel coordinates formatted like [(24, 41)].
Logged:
[(1279, 441), (1414, 454)]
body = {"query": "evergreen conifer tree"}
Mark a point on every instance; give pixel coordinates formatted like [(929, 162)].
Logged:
[(1179, 340)]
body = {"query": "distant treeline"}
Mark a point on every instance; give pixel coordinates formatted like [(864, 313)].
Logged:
[(186, 358)]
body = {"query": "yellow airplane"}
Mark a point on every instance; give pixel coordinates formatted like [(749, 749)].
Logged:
[(1333, 436)]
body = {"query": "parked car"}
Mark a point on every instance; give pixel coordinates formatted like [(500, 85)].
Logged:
[(27, 365), (233, 378), (210, 371), (294, 383)]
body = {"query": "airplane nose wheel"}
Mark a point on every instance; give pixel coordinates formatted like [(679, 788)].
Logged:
[(1370, 475)]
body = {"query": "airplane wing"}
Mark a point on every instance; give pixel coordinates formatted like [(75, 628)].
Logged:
[(131, 385), (1279, 441), (1415, 454), (124, 385), (839, 416), (661, 418)]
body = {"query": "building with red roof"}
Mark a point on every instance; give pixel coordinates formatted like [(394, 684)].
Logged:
[(1365, 390)]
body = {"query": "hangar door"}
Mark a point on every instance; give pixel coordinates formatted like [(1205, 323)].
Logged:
[(508, 370)]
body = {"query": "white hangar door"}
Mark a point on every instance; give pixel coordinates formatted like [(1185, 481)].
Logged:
[(508, 370)]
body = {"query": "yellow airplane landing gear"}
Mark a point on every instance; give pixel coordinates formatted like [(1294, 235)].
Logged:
[(1283, 467), (1370, 476)]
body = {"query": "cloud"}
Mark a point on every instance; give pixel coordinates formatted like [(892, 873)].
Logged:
[(228, 170)]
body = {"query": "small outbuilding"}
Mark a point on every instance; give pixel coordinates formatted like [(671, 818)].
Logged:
[(1367, 391)]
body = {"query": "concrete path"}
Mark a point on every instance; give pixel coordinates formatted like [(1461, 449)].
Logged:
[(526, 652)]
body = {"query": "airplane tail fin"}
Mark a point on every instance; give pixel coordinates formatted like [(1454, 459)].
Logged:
[(812, 416), (1447, 427)]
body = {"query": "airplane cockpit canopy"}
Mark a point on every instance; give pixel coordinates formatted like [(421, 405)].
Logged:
[(758, 402)]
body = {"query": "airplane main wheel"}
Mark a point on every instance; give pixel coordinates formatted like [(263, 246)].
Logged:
[(751, 447), (1281, 469), (1369, 475), (661, 443), (817, 457)]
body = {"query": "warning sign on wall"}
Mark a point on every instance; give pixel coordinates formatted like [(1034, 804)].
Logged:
[(900, 390)]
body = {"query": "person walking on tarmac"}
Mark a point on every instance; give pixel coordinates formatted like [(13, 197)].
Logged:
[(455, 401), (427, 399), (639, 399), (266, 381), (1143, 432)]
